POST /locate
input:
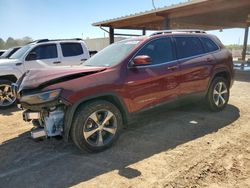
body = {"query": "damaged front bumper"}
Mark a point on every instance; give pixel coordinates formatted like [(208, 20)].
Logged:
[(48, 123), (46, 110)]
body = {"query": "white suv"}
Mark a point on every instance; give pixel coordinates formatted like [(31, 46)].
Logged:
[(36, 55)]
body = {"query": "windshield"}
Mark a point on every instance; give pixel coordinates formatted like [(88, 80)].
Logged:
[(19, 53), (6, 53), (112, 54)]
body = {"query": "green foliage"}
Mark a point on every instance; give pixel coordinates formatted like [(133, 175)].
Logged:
[(236, 47), (11, 42)]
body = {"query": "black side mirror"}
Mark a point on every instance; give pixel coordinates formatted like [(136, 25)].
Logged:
[(32, 56)]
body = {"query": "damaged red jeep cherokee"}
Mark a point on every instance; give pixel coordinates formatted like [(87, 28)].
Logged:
[(92, 102)]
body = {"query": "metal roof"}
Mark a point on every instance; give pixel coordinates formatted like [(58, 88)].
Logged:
[(199, 14)]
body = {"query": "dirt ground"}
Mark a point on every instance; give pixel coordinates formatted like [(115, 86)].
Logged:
[(183, 147)]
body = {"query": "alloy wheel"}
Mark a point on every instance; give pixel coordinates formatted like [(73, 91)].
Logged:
[(100, 128), (220, 94), (6, 96)]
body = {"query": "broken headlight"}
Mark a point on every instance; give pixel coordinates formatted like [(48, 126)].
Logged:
[(43, 97)]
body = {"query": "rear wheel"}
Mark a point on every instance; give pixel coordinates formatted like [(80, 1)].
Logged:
[(96, 126), (7, 99), (218, 94)]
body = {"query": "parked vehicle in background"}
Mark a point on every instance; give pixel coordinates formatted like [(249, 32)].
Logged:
[(1, 52), (93, 102), (92, 52), (9, 52), (38, 55)]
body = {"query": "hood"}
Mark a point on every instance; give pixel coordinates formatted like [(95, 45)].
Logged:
[(8, 62), (47, 76)]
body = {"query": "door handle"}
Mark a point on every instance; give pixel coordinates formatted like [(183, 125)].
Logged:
[(56, 62), (83, 59), (209, 60), (18, 64), (173, 67)]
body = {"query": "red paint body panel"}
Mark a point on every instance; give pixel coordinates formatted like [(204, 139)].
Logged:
[(139, 87)]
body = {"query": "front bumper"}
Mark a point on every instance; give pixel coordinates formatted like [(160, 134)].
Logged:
[(30, 115)]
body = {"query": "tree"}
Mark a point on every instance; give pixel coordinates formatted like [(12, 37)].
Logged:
[(2, 44), (10, 43), (26, 40)]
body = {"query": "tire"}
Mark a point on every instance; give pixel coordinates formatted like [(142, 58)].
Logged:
[(218, 94), (89, 130), (7, 99)]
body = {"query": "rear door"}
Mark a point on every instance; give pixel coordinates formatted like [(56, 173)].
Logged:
[(152, 84), (46, 55), (195, 64), (73, 53)]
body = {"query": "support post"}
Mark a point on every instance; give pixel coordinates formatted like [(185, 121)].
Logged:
[(143, 31), (111, 35), (166, 23), (245, 43)]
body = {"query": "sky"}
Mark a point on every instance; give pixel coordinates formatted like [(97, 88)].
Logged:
[(55, 19)]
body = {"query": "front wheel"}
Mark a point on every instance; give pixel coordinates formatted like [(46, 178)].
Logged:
[(96, 126), (218, 94), (7, 99)]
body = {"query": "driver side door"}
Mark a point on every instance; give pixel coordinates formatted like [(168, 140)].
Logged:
[(42, 56), (152, 84)]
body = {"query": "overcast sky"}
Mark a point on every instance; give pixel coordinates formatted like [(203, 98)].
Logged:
[(73, 18)]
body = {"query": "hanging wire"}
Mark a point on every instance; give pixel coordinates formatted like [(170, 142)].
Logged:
[(153, 4)]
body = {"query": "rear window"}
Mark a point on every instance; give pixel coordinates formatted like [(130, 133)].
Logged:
[(71, 49), (188, 47), (209, 45)]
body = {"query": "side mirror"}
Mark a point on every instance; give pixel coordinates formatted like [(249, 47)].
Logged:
[(31, 56), (142, 60)]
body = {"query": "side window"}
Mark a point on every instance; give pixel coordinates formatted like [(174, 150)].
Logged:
[(47, 51), (209, 45), (159, 50), (71, 49), (188, 46)]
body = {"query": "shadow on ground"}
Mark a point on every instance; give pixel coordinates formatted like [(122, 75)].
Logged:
[(53, 163), (8, 111)]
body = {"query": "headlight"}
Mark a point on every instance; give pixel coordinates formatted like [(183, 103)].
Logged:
[(43, 97)]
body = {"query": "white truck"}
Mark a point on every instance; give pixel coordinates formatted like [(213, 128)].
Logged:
[(37, 55)]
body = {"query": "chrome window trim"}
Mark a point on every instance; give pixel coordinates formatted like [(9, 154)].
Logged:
[(177, 60)]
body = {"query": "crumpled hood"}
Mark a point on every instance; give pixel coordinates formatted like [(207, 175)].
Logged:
[(8, 62), (42, 77)]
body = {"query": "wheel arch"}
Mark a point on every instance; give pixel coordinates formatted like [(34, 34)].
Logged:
[(9, 77), (222, 72), (110, 97)]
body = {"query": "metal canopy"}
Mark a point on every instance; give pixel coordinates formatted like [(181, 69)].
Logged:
[(198, 14), (195, 14)]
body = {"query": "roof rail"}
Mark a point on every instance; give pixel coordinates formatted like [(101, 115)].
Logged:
[(178, 31), (66, 39), (47, 40), (39, 40)]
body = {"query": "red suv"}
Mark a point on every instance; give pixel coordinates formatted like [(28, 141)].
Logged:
[(92, 102)]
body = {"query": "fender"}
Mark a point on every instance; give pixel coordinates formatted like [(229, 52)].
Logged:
[(6, 70), (216, 71), (70, 111)]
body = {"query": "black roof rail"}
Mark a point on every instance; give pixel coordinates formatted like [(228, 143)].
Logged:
[(47, 40), (39, 40), (66, 39), (178, 31)]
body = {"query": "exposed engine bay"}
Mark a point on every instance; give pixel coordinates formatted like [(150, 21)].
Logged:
[(48, 123), (46, 108)]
